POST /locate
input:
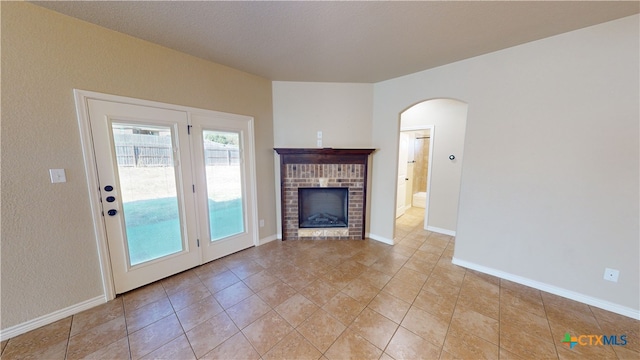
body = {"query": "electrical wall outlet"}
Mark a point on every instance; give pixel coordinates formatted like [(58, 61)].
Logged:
[(611, 274), (261, 222)]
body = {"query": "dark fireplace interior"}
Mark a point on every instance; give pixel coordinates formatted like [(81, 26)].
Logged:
[(323, 207)]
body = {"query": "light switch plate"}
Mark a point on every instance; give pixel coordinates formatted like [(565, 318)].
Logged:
[(57, 176)]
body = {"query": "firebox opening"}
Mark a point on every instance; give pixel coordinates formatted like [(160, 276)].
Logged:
[(323, 207)]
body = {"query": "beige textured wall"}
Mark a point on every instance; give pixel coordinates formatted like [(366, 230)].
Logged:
[(341, 111), (550, 179), (49, 254)]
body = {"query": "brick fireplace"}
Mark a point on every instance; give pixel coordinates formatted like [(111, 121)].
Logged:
[(302, 171)]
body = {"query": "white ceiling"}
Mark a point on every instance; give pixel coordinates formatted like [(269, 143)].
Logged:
[(341, 41)]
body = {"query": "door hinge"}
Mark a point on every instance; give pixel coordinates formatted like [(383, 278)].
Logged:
[(189, 129), (193, 187), (198, 240)]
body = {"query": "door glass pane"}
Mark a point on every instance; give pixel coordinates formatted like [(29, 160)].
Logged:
[(148, 191), (224, 183)]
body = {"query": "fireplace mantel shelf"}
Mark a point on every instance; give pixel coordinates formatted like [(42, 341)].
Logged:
[(323, 155), (324, 151)]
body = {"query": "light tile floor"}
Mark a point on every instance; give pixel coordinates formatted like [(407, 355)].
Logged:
[(332, 300)]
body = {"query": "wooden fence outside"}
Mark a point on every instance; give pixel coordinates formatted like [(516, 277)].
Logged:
[(162, 155)]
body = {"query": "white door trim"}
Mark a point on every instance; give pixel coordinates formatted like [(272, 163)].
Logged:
[(432, 134), (402, 180), (91, 172)]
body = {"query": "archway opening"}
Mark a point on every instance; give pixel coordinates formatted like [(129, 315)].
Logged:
[(431, 151)]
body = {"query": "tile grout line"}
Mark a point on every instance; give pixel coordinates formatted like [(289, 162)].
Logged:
[(546, 315), (66, 348), (455, 303), (499, 315), (126, 327)]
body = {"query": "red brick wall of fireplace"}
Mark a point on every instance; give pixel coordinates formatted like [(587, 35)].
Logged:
[(323, 175)]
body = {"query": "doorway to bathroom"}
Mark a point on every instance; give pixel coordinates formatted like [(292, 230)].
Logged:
[(430, 155), (413, 168)]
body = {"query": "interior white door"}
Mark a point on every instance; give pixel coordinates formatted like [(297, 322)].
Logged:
[(144, 169), (403, 156), (223, 158)]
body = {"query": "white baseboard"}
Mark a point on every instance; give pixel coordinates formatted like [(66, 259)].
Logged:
[(20, 329), (440, 230), (585, 299), (267, 239), (379, 238)]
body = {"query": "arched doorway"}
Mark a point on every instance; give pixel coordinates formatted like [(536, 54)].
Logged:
[(444, 120)]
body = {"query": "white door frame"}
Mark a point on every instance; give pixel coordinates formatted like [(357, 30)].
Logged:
[(402, 180), (91, 172), (432, 130)]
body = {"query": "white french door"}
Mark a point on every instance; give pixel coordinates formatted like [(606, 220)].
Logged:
[(221, 143), (175, 187)]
